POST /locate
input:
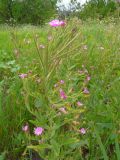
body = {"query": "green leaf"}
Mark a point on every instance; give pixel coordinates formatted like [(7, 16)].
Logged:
[(38, 103), (79, 144), (15, 69), (2, 156), (68, 141), (55, 147), (11, 62), (37, 148), (2, 65)]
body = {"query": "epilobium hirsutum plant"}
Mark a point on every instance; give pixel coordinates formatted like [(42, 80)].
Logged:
[(56, 48), (55, 103)]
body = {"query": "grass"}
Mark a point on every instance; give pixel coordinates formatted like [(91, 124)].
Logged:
[(74, 54)]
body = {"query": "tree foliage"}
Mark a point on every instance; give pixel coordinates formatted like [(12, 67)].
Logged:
[(92, 9), (26, 11), (98, 9)]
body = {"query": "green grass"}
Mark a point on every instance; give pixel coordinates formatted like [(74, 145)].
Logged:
[(93, 48)]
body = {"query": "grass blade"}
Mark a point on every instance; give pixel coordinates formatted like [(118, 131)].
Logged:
[(117, 148), (101, 145)]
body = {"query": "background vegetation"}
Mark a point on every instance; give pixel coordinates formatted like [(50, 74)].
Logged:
[(26, 11), (40, 11), (94, 52), (94, 9), (64, 79)]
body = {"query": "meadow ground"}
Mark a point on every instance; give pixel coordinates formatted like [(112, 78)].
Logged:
[(59, 92)]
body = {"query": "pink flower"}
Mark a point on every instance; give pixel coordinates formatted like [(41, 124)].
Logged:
[(56, 23), (62, 81), (83, 131), (23, 75), (38, 131), (62, 23), (63, 110), (79, 104), (25, 128), (88, 78), (86, 91), (62, 94)]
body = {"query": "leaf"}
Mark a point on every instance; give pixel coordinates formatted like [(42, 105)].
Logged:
[(79, 144), (55, 147), (106, 125), (37, 148), (2, 65), (67, 141), (15, 69), (11, 62), (38, 103), (2, 156)]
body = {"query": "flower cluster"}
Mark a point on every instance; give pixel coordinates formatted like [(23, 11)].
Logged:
[(56, 23), (37, 131), (62, 94)]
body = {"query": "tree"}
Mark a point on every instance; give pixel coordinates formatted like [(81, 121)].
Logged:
[(6, 10), (98, 9), (27, 11)]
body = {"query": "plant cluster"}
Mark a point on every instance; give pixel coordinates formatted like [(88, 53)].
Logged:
[(59, 93)]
